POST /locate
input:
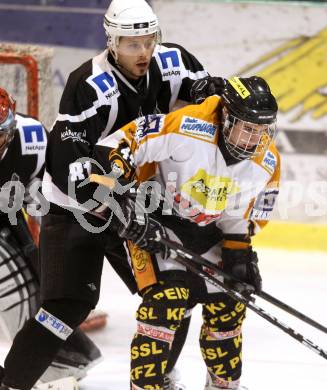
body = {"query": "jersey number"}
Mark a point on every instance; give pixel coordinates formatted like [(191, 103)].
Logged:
[(79, 171)]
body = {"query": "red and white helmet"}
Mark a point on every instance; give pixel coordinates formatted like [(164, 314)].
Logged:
[(7, 119), (129, 18)]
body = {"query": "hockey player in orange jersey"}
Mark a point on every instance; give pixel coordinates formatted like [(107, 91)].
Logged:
[(218, 170)]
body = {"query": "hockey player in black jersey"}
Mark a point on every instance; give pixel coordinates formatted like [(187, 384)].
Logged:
[(136, 75), (23, 143)]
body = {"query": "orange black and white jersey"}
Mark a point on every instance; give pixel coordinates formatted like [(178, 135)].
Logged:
[(195, 179)]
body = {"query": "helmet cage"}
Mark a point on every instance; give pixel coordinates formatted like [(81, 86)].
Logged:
[(245, 140)]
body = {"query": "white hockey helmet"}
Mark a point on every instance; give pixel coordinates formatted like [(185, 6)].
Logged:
[(127, 18)]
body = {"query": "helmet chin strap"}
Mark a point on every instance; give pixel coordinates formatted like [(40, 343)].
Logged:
[(112, 51), (112, 45)]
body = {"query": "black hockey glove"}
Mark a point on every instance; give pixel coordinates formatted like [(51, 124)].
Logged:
[(141, 229), (205, 87), (242, 264)]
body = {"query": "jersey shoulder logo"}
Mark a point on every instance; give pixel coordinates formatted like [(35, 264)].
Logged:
[(105, 84), (104, 81), (33, 138), (170, 64), (169, 59), (148, 125), (269, 162), (264, 204), (197, 128)]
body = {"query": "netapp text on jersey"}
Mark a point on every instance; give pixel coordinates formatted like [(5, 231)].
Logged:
[(172, 73), (35, 147), (111, 94)]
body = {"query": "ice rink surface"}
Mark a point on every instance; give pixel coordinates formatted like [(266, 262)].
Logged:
[(272, 360)]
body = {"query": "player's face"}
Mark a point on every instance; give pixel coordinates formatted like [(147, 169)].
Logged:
[(134, 54), (246, 135)]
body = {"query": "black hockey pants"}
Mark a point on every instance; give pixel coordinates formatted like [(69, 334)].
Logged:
[(159, 316)]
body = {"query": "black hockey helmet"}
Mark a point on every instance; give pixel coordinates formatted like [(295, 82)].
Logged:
[(250, 99), (249, 116), (7, 119)]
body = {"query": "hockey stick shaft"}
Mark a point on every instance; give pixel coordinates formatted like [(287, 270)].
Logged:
[(269, 298), (257, 309)]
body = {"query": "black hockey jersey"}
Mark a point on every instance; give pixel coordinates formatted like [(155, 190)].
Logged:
[(23, 161), (98, 100)]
